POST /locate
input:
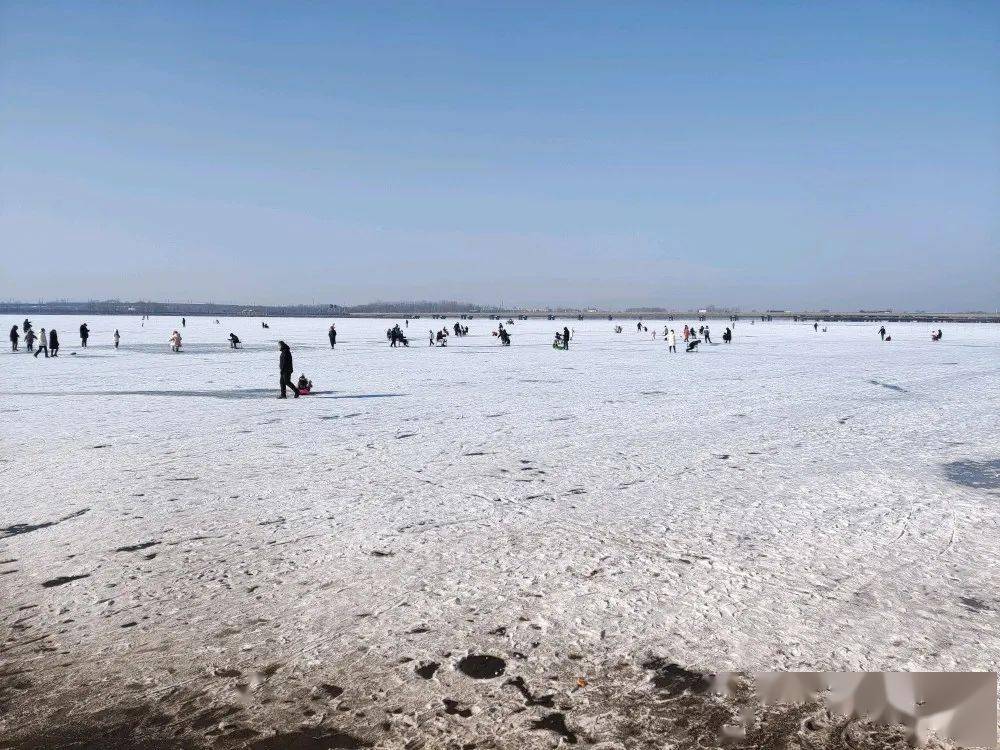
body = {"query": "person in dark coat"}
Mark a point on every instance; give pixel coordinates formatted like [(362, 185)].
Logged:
[(15, 336), (53, 343), (84, 335), (566, 338), (333, 336), (234, 341), (285, 363)]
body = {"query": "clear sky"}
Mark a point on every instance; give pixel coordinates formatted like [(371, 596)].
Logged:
[(771, 154)]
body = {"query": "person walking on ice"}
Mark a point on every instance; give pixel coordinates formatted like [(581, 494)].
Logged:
[(175, 341), (672, 342), (43, 345), (53, 343), (117, 337), (285, 366)]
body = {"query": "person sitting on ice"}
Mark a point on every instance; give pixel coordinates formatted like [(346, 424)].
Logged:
[(693, 345), (304, 385), (936, 336), (175, 342), (234, 341), (559, 343)]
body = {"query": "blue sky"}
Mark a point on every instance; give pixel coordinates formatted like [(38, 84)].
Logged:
[(837, 155)]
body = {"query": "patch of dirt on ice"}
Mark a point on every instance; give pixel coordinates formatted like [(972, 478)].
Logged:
[(890, 386), (26, 528), (675, 679), (480, 667), (556, 722), (645, 705), (981, 475), (14, 682), (975, 604), (679, 708), (63, 580), (170, 726), (308, 739), (125, 729)]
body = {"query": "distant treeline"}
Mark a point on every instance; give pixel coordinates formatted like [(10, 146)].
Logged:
[(141, 307), (447, 308)]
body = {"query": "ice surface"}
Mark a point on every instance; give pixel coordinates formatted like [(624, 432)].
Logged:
[(797, 500)]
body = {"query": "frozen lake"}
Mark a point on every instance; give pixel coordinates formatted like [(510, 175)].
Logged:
[(795, 500)]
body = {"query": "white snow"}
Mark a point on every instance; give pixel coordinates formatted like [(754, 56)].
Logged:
[(787, 502)]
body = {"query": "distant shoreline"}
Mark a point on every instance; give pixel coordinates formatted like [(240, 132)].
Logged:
[(466, 311)]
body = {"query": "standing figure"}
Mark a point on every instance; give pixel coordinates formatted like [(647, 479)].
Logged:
[(117, 338), (43, 345), (285, 366), (53, 343), (672, 342), (14, 338), (84, 335), (333, 336)]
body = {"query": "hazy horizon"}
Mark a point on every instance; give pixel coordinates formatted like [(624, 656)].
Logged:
[(420, 304), (564, 155)]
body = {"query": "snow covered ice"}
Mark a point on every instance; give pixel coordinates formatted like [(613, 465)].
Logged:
[(175, 538)]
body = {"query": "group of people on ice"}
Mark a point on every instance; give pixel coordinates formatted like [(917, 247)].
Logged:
[(48, 343), (562, 339), (693, 337), (394, 334)]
